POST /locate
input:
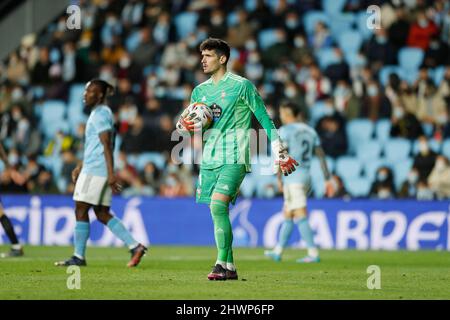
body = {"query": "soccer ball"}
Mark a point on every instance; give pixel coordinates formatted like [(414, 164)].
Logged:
[(199, 113)]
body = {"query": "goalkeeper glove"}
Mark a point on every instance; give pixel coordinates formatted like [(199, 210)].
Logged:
[(283, 160)]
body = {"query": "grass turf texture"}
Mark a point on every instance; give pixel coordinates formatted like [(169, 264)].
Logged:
[(173, 273)]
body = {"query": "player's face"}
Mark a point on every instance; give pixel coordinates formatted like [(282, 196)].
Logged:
[(92, 95), (210, 61)]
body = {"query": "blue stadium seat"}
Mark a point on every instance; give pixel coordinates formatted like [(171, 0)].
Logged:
[(326, 57), (76, 93), (432, 143), (397, 149), (348, 167), (333, 6), (401, 170), (317, 111), (368, 150), (341, 22), (438, 74), (350, 41), (358, 131), (410, 58), (383, 130), (185, 23), (446, 148), (316, 169), (354, 59), (318, 187), (53, 110), (75, 116), (358, 187), (232, 19), (385, 71), (311, 18), (371, 167), (250, 5), (361, 21), (267, 38)]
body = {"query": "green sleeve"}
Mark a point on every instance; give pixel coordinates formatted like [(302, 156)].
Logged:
[(254, 101), (194, 96)]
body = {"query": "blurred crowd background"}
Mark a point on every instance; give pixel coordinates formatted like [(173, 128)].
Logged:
[(379, 98)]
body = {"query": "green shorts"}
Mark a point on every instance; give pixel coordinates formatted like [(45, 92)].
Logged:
[(225, 180)]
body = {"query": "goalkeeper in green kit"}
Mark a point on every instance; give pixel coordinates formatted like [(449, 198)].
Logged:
[(226, 148)]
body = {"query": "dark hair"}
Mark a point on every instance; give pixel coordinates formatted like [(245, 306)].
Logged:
[(105, 87), (291, 106), (221, 47)]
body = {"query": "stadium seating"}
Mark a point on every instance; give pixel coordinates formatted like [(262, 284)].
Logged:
[(267, 38), (401, 170), (396, 150), (368, 150), (358, 187), (410, 58), (348, 167), (359, 131), (446, 148), (383, 130), (350, 41), (386, 71), (362, 19), (311, 18), (341, 22), (326, 57), (185, 23), (432, 143), (333, 6), (371, 167)]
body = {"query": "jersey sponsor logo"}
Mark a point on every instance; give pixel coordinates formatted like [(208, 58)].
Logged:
[(217, 111)]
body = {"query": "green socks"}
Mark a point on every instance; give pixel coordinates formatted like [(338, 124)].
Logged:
[(222, 232)]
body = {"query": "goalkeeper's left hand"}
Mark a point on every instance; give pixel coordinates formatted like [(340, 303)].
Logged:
[(283, 160)]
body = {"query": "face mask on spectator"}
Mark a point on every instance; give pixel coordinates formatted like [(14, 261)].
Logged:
[(253, 58), (423, 23), (372, 90), (88, 21), (216, 20), (16, 94), (13, 159), (290, 92), (124, 62), (291, 23), (423, 147), (399, 113), (381, 39), (413, 177), (299, 42), (382, 176), (171, 182), (424, 194), (384, 194), (250, 45)]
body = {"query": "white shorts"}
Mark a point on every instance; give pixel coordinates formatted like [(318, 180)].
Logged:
[(93, 190), (294, 196)]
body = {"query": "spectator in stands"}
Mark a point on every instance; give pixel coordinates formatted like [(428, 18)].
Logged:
[(340, 192), (146, 51), (409, 187), (40, 72), (218, 25), (241, 32), (383, 186), (16, 71), (421, 32), (425, 160), (277, 52), (331, 130), (379, 50), (317, 86), (321, 38), (151, 176), (439, 178), (20, 133), (338, 70), (347, 104), (437, 53), (432, 108), (137, 188), (424, 192), (399, 30)]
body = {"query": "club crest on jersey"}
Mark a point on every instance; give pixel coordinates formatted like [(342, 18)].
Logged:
[(217, 111)]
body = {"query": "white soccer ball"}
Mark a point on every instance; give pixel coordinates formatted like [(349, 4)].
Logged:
[(199, 113)]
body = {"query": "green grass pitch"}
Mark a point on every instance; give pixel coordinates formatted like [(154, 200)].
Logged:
[(179, 273)]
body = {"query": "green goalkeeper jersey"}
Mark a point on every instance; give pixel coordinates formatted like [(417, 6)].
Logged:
[(233, 99)]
